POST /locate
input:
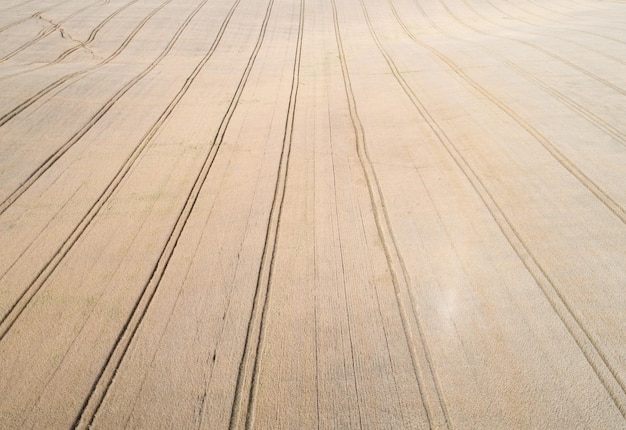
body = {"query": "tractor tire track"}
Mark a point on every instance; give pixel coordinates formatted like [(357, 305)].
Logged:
[(33, 16), (94, 32), (587, 114), (58, 153), (109, 369), (17, 5), (9, 318), (601, 36), (83, 45), (429, 387), (587, 182), (595, 120), (544, 17), (492, 22), (41, 93), (540, 49), (552, 11), (242, 412), (55, 26), (592, 351)]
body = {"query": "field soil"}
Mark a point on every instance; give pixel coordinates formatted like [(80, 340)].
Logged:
[(294, 214)]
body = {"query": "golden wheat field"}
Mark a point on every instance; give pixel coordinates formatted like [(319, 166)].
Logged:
[(299, 214)]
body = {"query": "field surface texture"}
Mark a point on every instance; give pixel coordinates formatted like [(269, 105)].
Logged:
[(296, 214)]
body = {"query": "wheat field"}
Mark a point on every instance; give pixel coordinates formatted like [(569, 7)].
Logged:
[(294, 214)]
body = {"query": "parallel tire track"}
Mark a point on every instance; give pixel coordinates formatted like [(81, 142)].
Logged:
[(17, 5), (558, 155), (425, 375), (565, 61), (543, 17), (622, 42), (592, 118), (492, 22), (94, 32), (9, 318), (55, 26), (58, 153), (34, 15), (592, 351), (109, 369), (578, 108), (242, 412), (68, 52), (31, 100)]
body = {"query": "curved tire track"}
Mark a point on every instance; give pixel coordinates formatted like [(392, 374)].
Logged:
[(426, 378), (552, 20), (68, 52), (592, 118), (58, 153), (47, 32), (56, 84), (34, 15), (540, 49), (587, 182), (492, 22), (9, 318), (578, 108), (592, 351), (109, 369)]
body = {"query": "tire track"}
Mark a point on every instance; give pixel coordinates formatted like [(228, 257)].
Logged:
[(595, 120), (540, 49), (603, 37), (94, 32), (578, 108), (592, 351), (47, 32), (41, 93), (9, 318), (68, 52), (429, 387), (34, 15), (109, 369), (492, 22), (552, 11), (242, 412), (564, 161), (16, 5), (58, 153)]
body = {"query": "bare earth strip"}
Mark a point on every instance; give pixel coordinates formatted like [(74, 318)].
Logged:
[(312, 214)]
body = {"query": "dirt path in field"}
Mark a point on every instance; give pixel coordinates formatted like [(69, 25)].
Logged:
[(312, 214)]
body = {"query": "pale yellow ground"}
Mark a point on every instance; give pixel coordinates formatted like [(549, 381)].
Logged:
[(294, 214)]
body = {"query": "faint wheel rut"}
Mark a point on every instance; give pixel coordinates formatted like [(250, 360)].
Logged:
[(557, 154), (592, 351), (540, 49)]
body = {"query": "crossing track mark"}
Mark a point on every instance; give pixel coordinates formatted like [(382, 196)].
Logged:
[(9, 318)]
